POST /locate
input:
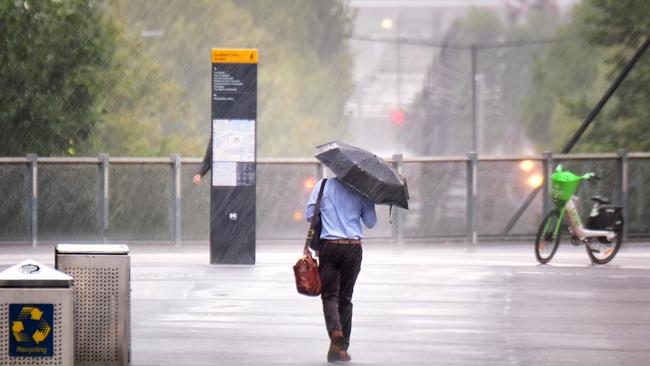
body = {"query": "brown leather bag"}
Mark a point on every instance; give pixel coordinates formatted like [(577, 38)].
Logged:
[(307, 277), (306, 269)]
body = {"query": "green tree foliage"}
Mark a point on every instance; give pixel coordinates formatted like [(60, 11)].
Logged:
[(304, 68), (145, 112), (53, 56), (128, 77), (563, 70), (570, 78), (315, 66)]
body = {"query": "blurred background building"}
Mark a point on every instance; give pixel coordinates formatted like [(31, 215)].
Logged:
[(413, 74)]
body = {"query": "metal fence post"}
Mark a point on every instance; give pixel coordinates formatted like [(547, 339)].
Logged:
[(396, 215), (623, 170), (103, 200), (548, 170), (472, 160), (33, 197), (176, 200)]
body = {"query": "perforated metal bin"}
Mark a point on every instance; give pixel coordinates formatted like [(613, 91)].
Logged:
[(36, 316), (102, 294)]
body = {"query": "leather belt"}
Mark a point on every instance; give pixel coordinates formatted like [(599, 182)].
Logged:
[(343, 241)]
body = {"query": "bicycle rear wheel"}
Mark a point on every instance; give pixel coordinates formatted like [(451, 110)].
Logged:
[(545, 244), (602, 251)]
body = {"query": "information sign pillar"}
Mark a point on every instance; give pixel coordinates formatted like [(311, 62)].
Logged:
[(232, 194)]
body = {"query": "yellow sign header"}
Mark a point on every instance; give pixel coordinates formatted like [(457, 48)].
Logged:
[(221, 56)]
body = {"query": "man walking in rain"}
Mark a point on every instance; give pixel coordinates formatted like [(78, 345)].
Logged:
[(342, 211)]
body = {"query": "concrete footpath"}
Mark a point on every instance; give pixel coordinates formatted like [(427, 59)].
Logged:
[(414, 304)]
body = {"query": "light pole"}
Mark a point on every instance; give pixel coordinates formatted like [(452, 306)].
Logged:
[(474, 101)]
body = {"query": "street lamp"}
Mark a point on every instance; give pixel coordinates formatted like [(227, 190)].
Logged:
[(535, 180), (309, 183), (526, 165)]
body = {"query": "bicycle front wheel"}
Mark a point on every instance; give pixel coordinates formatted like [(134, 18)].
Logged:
[(546, 242), (601, 251)]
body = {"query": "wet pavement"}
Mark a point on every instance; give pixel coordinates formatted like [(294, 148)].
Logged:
[(414, 304)]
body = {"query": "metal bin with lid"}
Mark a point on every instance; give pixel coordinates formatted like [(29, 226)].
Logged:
[(102, 297), (36, 316)]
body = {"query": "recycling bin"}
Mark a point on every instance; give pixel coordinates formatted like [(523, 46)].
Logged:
[(36, 316), (102, 297)]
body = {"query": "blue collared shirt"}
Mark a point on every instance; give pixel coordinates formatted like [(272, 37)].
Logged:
[(342, 210)]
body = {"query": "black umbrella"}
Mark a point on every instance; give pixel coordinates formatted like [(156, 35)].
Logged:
[(365, 172)]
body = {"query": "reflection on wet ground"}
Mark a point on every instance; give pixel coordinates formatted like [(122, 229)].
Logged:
[(425, 304)]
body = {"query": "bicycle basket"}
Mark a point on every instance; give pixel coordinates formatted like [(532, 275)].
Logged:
[(563, 185)]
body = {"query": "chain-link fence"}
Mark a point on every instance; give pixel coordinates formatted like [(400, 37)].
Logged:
[(145, 199)]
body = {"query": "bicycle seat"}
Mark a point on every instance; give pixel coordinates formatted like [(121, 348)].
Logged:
[(601, 200)]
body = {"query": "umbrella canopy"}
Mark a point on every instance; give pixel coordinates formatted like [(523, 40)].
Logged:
[(365, 172)]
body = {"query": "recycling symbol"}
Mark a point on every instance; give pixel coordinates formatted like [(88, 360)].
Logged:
[(33, 318)]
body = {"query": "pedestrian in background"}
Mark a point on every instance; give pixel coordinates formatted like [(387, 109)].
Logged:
[(207, 161), (342, 212)]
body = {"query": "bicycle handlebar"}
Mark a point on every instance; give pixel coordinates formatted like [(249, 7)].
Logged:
[(590, 176)]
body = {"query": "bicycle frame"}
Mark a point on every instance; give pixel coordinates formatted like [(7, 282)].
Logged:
[(577, 229), (564, 186)]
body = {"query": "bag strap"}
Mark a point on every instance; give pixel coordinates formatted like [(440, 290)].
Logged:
[(312, 225)]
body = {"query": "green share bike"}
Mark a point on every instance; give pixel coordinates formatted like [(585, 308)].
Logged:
[(603, 234)]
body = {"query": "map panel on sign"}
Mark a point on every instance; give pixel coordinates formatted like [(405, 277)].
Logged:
[(233, 140)]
